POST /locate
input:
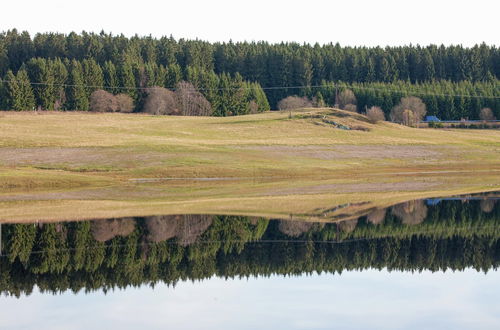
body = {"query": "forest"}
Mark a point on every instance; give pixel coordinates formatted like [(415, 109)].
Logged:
[(52, 71), (116, 253)]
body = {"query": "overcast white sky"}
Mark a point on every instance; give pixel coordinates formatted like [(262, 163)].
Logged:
[(368, 299), (349, 22)]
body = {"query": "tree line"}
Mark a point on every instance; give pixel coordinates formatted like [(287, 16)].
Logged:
[(219, 69), (106, 254), (444, 99), (56, 84)]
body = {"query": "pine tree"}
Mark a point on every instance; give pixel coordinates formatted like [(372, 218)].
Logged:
[(39, 71), (370, 70), (19, 92), (174, 75), (77, 98), (110, 77), (127, 78), (320, 101), (427, 67), (12, 92), (25, 90), (60, 73), (92, 76)]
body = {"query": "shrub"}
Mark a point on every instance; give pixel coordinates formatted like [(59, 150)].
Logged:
[(161, 101), (125, 103), (345, 98), (102, 101), (486, 114), (190, 101), (294, 102), (351, 107), (375, 114), (409, 111)]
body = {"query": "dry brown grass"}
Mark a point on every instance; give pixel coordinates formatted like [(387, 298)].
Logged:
[(54, 151)]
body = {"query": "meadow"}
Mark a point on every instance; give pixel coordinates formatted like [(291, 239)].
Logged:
[(84, 165)]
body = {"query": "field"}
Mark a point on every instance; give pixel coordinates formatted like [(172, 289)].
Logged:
[(96, 165)]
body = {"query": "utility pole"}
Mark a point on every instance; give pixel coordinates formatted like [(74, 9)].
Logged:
[(0, 239), (336, 105)]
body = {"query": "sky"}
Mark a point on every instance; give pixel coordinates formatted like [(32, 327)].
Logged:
[(352, 22), (369, 299)]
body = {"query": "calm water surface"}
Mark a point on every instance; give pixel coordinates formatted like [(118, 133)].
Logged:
[(420, 264)]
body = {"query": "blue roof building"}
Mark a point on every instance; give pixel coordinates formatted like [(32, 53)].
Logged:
[(431, 119)]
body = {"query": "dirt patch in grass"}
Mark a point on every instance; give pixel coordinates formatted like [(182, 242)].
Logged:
[(79, 158), (356, 188), (351, 151)]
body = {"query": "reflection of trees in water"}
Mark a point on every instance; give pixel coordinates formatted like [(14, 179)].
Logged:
[(294, 228), (348, 226), (411, 212), (487, 205), (187, 228), (104, 230), (121, 252), (377, 216)]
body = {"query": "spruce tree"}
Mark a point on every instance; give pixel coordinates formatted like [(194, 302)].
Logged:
[(40, 73), (12, 91), (110, 77), (92, 76), (174, 75), (77, 98), (19, 92), (126, 78), (60, 73), (25, 90)]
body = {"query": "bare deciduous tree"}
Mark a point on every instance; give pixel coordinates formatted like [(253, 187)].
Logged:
[(375, 114), (486, 114), (104, 230), (190, 101), (161, 101), (348, 226), (187, 228), (400, 113), (253, 107), (102, 101), (345, 98), (376, 217), (487, 205), (411, 212), (125, 103), (351, 107), (294, 102)]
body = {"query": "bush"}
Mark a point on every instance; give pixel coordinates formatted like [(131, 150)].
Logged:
[(375, 114), (102, 101), (252, 107), (161, 101), (486, 114), (351, 107), (294, 102), (409, 111), (346, 98), (434, 124), (190, 101), (125, 103)]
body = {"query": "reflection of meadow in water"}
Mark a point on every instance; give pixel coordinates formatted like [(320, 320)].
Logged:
[(423, 234)]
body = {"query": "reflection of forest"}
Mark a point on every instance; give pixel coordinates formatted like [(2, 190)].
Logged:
[(130, 251)]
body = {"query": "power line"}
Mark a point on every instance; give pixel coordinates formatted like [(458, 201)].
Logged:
[(246, 242), (325, 86)]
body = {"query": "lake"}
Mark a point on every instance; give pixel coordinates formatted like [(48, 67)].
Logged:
[(424, 263)]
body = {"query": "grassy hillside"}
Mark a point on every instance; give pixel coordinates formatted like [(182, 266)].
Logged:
[(58, 165), (74, 149)]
